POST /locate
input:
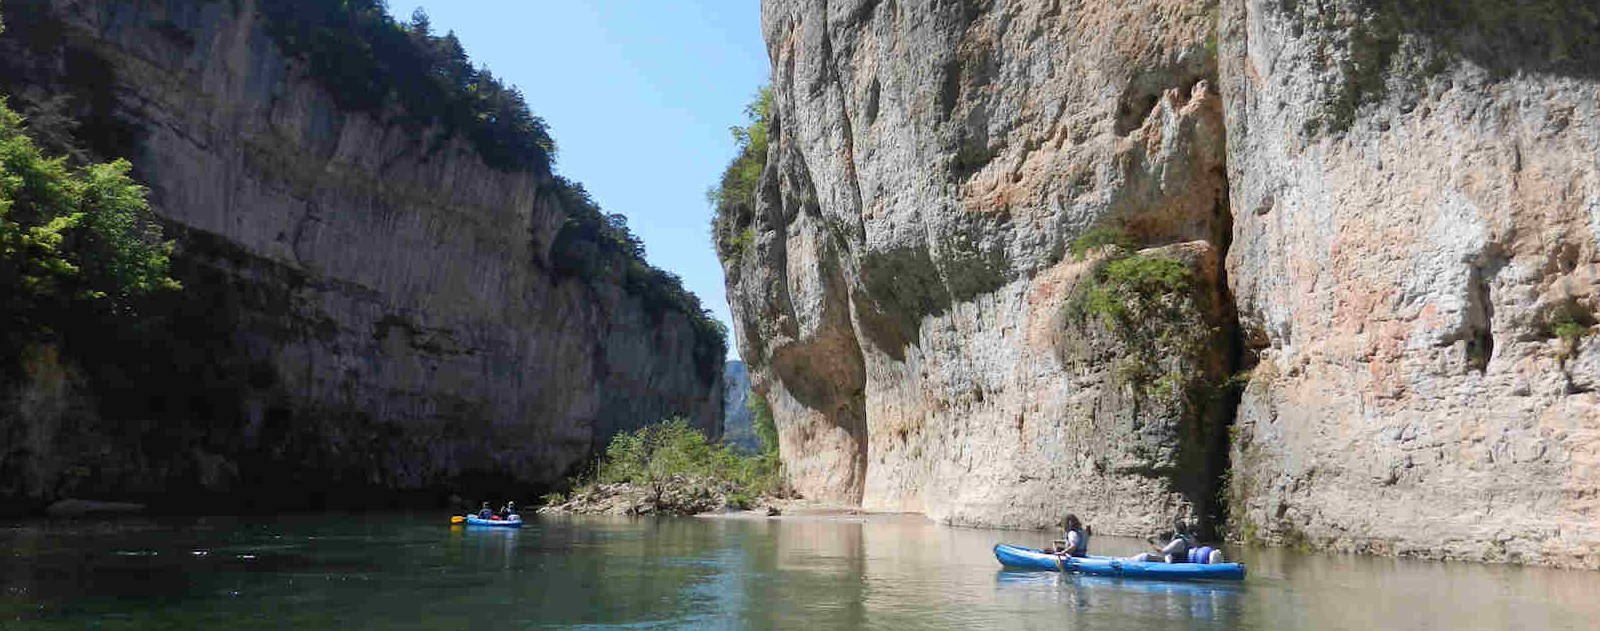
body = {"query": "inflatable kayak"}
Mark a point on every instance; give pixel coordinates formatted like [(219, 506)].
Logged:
[(1032, 559), (514, 522)]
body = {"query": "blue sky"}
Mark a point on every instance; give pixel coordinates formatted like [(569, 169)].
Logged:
[(638, 94)]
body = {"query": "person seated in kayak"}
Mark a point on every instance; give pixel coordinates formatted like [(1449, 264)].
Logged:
[(1177, 549), (485, 512), (1075, 540), (507, 511)]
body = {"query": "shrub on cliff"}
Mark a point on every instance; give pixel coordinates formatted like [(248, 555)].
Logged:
[(73, 243), (1147, 306), (1099, 237), (1136, 287), (733, 200)]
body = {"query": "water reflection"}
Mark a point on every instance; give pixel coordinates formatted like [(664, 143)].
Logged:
[(883, 572)]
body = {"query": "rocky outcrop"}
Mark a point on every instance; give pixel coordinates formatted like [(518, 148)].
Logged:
[(1378, 216), (368, 305)]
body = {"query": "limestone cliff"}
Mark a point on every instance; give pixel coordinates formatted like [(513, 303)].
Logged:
[(1415, 262), (368, 304), (1008, 259)]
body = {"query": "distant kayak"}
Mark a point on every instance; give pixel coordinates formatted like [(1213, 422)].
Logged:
[(514, 522), (1032, 559)]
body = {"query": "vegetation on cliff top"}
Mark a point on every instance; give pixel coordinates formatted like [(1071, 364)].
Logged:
[(733, 201), (74, 244), (364, 57)]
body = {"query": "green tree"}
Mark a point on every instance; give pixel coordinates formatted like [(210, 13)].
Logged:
[(733, 199), (653, 456), (70, 239)]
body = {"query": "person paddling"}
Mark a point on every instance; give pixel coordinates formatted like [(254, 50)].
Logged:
[(1183, 548), (1075, 540), (1176, 550), (509, 510), (485, 512)]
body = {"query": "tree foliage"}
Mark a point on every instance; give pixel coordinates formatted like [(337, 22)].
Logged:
[(655, 454), (71, 240), (365, 59), (733, 200), (1099, 237)]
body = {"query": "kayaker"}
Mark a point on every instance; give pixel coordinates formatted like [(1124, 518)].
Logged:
[(1176, 550), (1075, 540), (508, 510), (485, 512)]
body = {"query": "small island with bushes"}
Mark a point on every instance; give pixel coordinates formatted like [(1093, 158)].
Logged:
[(672, 468)]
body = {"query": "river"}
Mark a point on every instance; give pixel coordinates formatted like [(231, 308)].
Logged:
[(412, 571)]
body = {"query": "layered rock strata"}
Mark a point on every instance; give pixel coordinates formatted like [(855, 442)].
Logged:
[(367, 304), (1387, 213)]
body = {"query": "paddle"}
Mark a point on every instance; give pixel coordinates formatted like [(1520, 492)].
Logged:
[(457, 519)]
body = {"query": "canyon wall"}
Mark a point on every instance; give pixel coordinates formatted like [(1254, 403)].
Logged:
[(1331, 263), (910, 303), (1415, 263), (367, 304)]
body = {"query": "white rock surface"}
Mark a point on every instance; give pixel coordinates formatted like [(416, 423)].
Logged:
[(1400, 279)]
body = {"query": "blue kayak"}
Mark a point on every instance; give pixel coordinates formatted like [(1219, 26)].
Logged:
[(516, 522), (1032, 559)]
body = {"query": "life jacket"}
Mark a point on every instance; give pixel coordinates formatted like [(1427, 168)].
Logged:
[(1200, 555), (1083, 542), (1189, 546)]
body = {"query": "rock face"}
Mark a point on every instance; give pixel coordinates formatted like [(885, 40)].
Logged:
[(1377, 220), (1414, 259), (368, 305), (905, 305)]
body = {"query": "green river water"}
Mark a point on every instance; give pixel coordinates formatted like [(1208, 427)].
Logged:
[(413, 571)]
